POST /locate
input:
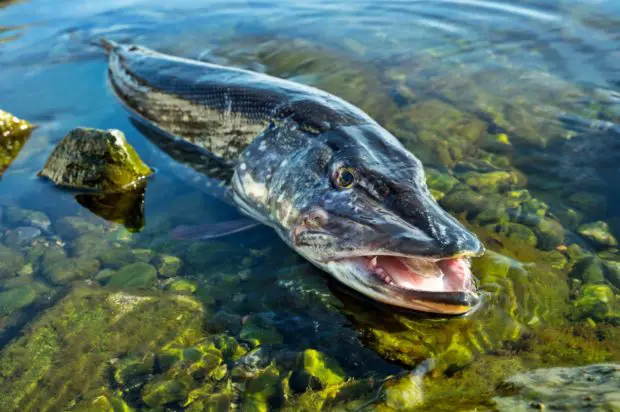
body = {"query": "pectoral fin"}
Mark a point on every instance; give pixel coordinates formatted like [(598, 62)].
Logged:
[(213, 230)]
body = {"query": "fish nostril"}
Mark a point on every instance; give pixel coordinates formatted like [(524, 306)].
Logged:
[(316, 218)]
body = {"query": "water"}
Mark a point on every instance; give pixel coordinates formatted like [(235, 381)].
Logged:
[(514, 108)]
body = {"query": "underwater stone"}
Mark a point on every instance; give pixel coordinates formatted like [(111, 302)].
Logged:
[(441, 182), (596, 302), (71, 227), (116, 256), (492, 265), (10, 262), (137, 275), (598, 233), (550, 233), (261, 390), (612, 269), (404, 393), (15, 216), (15, 299), (589, 203), (143, 255), (515, 232), (96, 160), (104, 275), (133, 369), (460, 200), (182, 286), (321, 367), (21, 236), (589, 270), (260, 335), (491, 182), (63, 271), (13, 135), (167, 266), (103, 403), (160, 393), (592, 387)]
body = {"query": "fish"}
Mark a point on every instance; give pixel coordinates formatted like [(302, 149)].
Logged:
[(336, 186)]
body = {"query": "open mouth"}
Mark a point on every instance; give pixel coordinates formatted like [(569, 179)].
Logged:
[(424, 275)]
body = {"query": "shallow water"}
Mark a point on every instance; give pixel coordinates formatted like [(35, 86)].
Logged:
[(514, 108)]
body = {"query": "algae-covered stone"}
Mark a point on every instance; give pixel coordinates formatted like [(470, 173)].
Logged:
[(497, 181), (95, 159), (63, 271), (260, 334), (71, 227), (165, 392), (103, 402), (138, 275), (21, 236), (516, 232), (13, 134), (10, 262), (462, 200), (440, 181), (403, 393), (261, 391), (182, 286), (589, 270), (104, 275), (321, 367), (550, 233), (70, 345), (168, 266), (14, 299), (143, 255), (133, 369), (592, 387), (597, 302), (612, 270), (598, 233)]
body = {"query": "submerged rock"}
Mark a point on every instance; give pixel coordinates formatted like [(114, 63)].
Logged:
[(597, 302), (317, 368), (598, 233), (13, 134), (138, 275), (15, 216), (592, 387), (168, 266), (95, 160), (15, 299), (160, 393)]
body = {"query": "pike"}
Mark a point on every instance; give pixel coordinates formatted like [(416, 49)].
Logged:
[(337, 187)]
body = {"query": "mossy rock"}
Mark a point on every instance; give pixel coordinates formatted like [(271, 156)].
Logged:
[(10, 262), (462, 200), (589, 270), (133, 369), (15, 299), (16, 216), (492, 182), (320, 368), (612, 272), (70, 345), (138, 275), (116, 257), (597, 302), (260, 334), (95, 160), (71, 227), (13, 135), (598, 233), (515, 232), (63, 271), (103, 402), (403, 393), (262, 391), (168, 266), (589, 203), (143, 255), (182, 286), (442, 182), (163, 392)]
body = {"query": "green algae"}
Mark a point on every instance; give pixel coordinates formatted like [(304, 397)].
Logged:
[(66, 352), (14, 133), (137, 275), (168, 266), (10, 262), (95, 160)]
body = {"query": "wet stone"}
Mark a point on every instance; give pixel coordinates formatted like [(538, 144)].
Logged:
[(15, 216), (72, 227), (95, 159), (182, 286), (13, 135), (63, 271), (21, 236), (494, 181), (165, 392), (10, 262), (104, 275), (597, 302), (404, 393), (133, 369), (612, 272), (259, 334), (135, 276), (167, 266), (589, 270), (143, 255), (320, 368), (598, 233), (15, 299), (515, 232)]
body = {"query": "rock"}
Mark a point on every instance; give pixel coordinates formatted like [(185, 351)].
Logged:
[(463, 200), (598, 303), (612, 270), (492, 265), (550, 233), (182, 286), (404, 393), (261, 391), (492, 182), (68, 346), (104, 275), (515, 232), (143, 255), (589, 203), (167, 266), (592, 387), (589, 270), (10, 262), (133, 369), (15, 216), (320, 368), (96, 160), (116, 257), (72, 227), (104, 402), (21, 236), (165, 392), (125, 208), (13, 135), (441, 182), (16, 299), (138, 275), (598, 233), (260, 334), (63, 271)]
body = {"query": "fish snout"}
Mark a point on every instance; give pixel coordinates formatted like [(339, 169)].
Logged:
[(313, 220)]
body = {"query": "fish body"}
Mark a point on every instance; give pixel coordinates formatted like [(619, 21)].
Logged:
[(335, 185)]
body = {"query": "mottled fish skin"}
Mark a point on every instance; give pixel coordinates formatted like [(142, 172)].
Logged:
[(279, 148)]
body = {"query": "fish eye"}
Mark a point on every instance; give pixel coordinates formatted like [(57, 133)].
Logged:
[(345, 177)]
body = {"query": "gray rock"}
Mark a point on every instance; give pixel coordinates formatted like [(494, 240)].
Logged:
[(587, 388), (22, 236)]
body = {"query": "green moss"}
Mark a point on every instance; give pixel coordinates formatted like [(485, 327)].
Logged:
[(103, 402), (494, 181), (404, 393), (10, 262), (165, 392), (261, 391), (597, 302), (182, 286), (67, 351), (321, 367), (15, 299), (133, 368), (138, 275), (63, 271), (442, 182), (515, 232)]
